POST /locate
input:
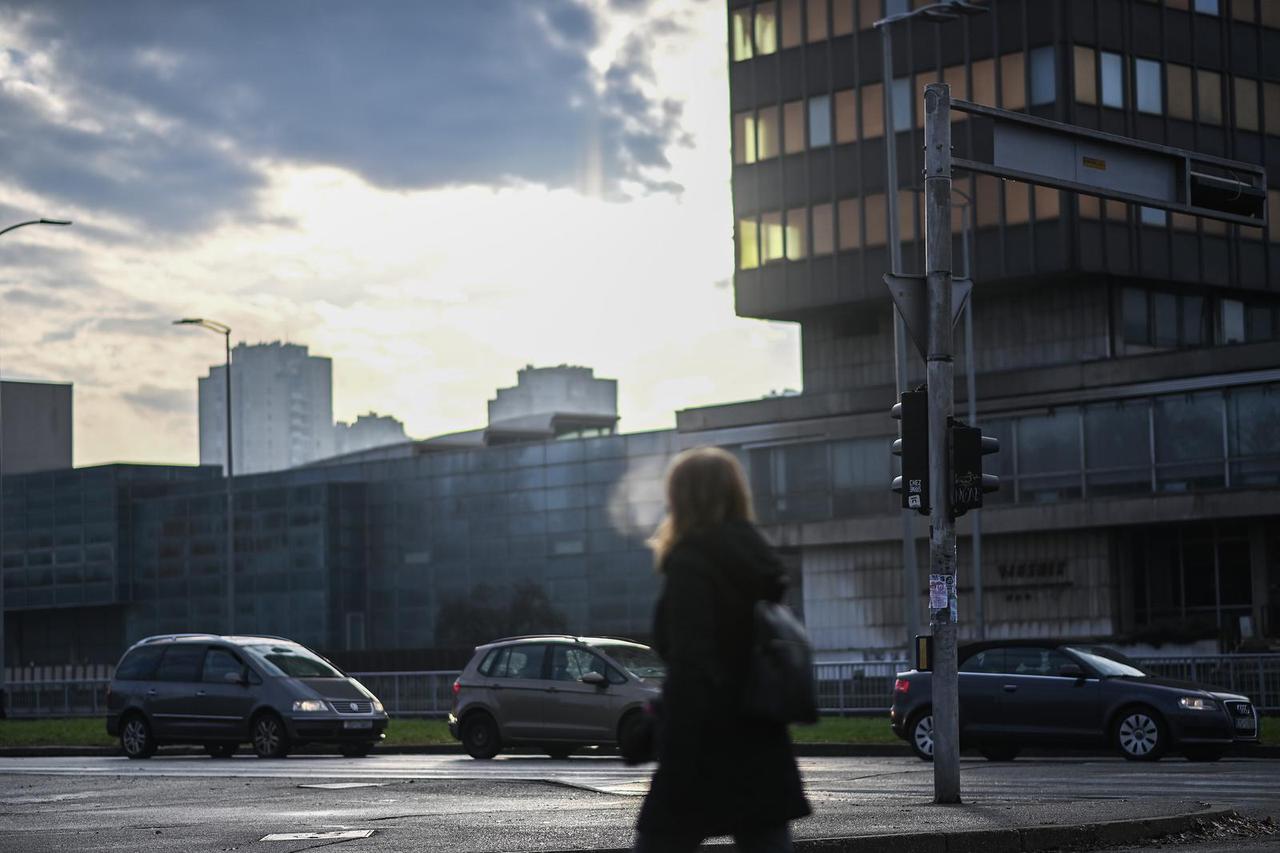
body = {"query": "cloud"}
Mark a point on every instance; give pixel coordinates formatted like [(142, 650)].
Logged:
[(167, 113), (161, 400)]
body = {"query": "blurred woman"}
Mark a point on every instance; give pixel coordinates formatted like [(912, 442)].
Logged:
[(719, 773)]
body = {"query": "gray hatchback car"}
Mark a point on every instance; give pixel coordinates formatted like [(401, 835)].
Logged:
[(554, 692), (223, 691)]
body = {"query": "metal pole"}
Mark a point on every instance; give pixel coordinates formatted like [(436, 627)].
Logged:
[(231, 536), (979, 614), (940, 376), (4, 681), (911, 573)]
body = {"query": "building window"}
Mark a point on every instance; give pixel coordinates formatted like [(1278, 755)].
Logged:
[(1048, 202), (1180, 103), (744, 138), (1231, 321), (1048, 448), (984, 82), (767, 135), (1208, 7), (1013, 85), (877, 219), (850, 224), (893, 7), (1209, 94), (1084, 75), (1043, 78), (846, 116), (1112, 79), (816, 20), (793, 126), (841, 17), (1017, 203), (1271, 107), (872, 111), (1153, 216), (1242, 10), (772, 244), (820, 121), (901, 104), (1260, 323), (797, 236), (1147, 86), (741, 34), (1246, 103), (792, 31), (748, 244), (766, 28), (823, 229)]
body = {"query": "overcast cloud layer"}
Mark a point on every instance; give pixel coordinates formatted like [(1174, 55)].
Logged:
[(434, 193)]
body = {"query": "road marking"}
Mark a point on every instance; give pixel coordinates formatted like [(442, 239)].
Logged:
[(309, 836), (338, 786)]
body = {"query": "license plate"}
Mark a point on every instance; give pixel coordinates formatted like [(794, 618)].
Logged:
[(357, 724), (1244, 723)]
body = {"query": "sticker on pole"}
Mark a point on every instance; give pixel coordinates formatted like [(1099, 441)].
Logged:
[(938, 592)]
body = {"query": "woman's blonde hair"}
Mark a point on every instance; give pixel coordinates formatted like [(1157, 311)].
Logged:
[(705, 487)]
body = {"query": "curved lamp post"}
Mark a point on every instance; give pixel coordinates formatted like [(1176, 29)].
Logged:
[(3, 679), (224, 330)]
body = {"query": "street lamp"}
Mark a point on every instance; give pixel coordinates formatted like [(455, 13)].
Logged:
[(225, 331), (934, 13), (3, 678)]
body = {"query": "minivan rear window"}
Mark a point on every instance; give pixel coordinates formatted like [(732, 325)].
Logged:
[(139, 664), (294, 661)]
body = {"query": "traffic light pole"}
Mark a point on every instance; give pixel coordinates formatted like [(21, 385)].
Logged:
[(940, 376)]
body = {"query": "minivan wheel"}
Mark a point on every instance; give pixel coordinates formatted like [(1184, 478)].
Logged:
[(270, 740), (1139, 734), (480, 736), (221, 750), (135, 737), (920, 734)]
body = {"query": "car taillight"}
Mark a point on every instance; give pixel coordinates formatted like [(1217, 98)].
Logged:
[(457, 686), (901, 686)]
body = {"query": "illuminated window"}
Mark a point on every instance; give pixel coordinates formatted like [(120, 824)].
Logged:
[(1112, 65), (1246, 103), (1271, 107), (868, 13), (748, 244), (766, 29), (816, 14), (1048, 202), (1180, 105), (797, 235), (1209, 93), (767, 133), (1184, 5), (873, 110), (741, 34), (793, 126), (954, 77), (1147, 86), (877, 213), (984, 82), (1085, 77), (908, 225), (1013, 84), (820, 121), (1271, 14), (772, 244), (1017, 202), (987, 199), (1183, 222), (1116, 211), (1089, 206), (841, 17), (1242, 10), (846, 116), (901, 104), (1043, 77), (792, 34), (823, 230), (850, 224), (744, 138)]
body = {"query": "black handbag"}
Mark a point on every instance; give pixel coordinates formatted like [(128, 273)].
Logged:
[(780, 685)]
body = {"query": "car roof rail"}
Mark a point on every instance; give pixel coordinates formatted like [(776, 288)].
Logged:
[(260, 637), (156, 638), (547, 636), (618, 639)]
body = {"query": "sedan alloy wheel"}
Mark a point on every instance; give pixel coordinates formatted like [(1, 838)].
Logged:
[(922, 736), (1139, 736)]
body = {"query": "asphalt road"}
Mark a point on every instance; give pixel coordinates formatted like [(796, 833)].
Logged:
[(516, 803)]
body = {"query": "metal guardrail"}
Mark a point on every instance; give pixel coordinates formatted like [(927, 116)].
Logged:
[(844, 687)]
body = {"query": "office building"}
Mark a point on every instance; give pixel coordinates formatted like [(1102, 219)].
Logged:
[(35, 426), (367, 431)]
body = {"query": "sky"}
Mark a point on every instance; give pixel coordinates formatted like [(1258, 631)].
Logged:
[(432, 193)]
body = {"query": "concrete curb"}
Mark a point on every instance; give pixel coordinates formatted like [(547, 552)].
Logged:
[(1012, 840), (803, 750)]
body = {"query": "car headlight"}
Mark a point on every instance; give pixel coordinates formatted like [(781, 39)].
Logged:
[(309, 705), (377, 707), (1197, 703)]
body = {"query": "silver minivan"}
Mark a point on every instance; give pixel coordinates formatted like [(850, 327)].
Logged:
[(554, 692), (220, 691)]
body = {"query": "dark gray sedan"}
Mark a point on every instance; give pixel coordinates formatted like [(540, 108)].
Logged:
[(1045, 693)]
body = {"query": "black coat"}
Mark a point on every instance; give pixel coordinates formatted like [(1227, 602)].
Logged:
[(718, 773)]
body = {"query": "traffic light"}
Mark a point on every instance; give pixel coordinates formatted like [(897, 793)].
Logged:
[(913, 447), (968, 483)]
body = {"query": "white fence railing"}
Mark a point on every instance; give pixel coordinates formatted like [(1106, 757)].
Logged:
[(846, 687)]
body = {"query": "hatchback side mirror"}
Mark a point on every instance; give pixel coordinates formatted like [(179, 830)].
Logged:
[(1071, 670), (595, 679)]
